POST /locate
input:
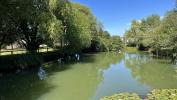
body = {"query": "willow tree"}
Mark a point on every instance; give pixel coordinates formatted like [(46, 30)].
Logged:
[(76, 27), (81, 35), (34, 22)]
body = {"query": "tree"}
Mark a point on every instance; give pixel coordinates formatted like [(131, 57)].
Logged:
[(132, 35), (76, 26), (33, 20), (141, 32), (117, 43), (169, 30), (148, 26), (29, 19), (157, 34), (80, 35), (7, 27), (53, 22)]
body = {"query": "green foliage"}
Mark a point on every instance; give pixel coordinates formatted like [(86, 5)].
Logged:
[(102, 41), (169, 29), (27, 18), (141, 32), (52, 28), (155, 33), (7, 28), (123, 96), (27, 61), (20, 62), (79, 36), (117, 43), (56, 23), (113, 43), (164, 94)]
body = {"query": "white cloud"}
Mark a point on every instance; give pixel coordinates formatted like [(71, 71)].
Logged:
[(161, 17), (139, 21)]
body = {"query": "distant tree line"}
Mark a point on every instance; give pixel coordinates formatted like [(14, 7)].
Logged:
[(154, 33), (56, 23)]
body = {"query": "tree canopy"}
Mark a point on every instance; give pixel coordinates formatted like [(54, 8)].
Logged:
[(153, 32), (56, 23)]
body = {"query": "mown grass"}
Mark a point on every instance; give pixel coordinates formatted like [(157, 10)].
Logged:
[(21, 51), (130, 49)]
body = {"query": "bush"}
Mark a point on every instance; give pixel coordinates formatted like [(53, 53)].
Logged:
[(162, 94), (28, 61), (165, 94), (11, 63), (123, 96)]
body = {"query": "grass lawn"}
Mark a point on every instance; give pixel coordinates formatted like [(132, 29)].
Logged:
[(131, 49), (21, 51)]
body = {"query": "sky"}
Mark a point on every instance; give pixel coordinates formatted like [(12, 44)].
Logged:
[(116, 15)]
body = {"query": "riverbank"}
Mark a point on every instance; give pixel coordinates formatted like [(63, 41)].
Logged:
[(162, 55), (25, 61), (16, 62), (12, 63)]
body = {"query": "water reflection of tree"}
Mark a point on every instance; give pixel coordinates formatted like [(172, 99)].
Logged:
[(151, 72), (80, 80), (24, 86), (103, 60)]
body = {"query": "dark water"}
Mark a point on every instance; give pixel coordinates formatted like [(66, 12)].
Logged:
[(95, 76)]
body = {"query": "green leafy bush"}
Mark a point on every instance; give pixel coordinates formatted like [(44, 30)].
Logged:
[(27, 61), (164, 94), (123, 96), (157, 94)]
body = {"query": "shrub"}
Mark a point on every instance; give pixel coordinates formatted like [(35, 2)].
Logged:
[(157, 94), (123, 96), (164, 94), (27, 61)]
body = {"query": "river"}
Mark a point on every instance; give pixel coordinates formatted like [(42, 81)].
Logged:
[(91, 78)]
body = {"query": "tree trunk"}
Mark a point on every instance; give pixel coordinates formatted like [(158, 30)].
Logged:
[(29, 36), (12, 48), (61, 42), (0, 49), (32, 48), (167, 54), (157, 53), (47, 48)]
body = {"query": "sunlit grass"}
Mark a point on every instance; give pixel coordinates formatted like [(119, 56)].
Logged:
[(21, 51), (131, 49)]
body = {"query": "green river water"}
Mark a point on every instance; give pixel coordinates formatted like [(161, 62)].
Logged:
[(91, 78)]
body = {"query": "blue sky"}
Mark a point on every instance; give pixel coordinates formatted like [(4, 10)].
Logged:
[(116, 15)]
